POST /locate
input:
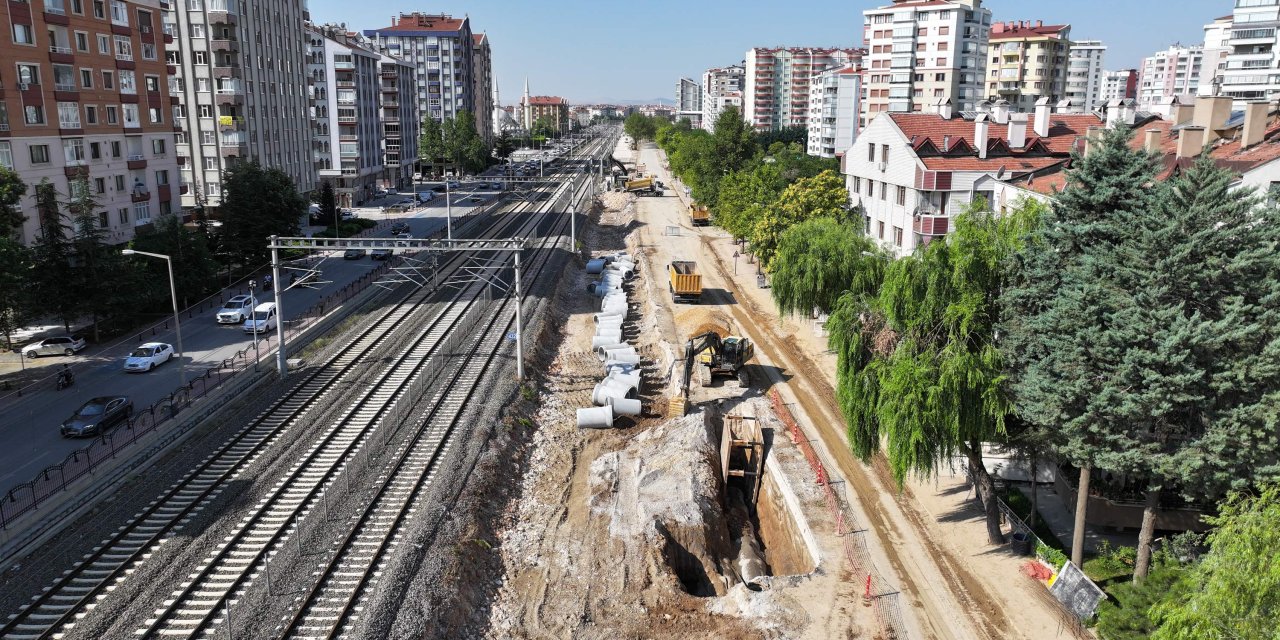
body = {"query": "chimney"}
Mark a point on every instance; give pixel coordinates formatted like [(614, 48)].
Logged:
[(983, 106), (1180, 113), (1064, 106), (1211, 113), (1255, 123), (1000, 111), (1190, 142), (1017, 130), (1113, 112), (1152, 141), (1042, 118), (980, 128), (1039, 23), (1091, 137), (946, 143), (1128, 111), (944, 108)]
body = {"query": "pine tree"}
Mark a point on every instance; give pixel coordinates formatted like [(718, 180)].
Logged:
[(258, 203), (53, 253), (12, 188)]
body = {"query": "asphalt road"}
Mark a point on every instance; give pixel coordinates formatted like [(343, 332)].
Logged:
[(29, 435)]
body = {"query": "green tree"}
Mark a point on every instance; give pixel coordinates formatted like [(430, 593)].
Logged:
[(328, 203), (917, 365), (745, 195), (15, 301), (194, 270), (823, 195), (52, 257), (463, 145), (786, 135), (431, 145), (818, 260), (543, 128), (96, 283), (12, 188), (639, 126), (504, 145), (1235, 590), (256, 205), (1180, 364), (1126, 613)]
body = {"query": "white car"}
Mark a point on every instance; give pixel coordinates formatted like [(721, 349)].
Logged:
[(235, 310), (146, 357), (263, 319)]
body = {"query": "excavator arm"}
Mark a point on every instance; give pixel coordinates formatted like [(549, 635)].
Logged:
[(696, 345)]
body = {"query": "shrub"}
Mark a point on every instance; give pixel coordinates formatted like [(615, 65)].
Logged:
[(1050, 555)]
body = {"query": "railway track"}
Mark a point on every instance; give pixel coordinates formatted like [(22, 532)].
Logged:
[(76, 593)]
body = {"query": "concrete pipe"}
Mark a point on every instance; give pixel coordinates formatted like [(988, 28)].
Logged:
[(602, 351), (625, 406), (595, 417), (603, 289), (614, 323), (595, 266), (614, 299), (609, 330), (600, 341), (615, 365), (605, 316), (632, 378), (611, 389), (627, 354)]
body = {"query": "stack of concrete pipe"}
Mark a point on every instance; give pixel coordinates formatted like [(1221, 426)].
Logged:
[(617, 394)]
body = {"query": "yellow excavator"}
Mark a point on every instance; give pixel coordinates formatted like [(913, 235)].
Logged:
[(713, 355)]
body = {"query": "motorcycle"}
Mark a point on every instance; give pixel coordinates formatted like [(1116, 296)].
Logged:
[(65, 379)]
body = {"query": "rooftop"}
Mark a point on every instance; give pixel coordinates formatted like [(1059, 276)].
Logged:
[(409, 23), (1027, 29)]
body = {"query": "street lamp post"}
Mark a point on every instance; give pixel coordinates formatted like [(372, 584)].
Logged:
[(177, 321), (448, 210)]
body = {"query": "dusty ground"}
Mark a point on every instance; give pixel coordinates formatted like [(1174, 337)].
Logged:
[(620, 533)]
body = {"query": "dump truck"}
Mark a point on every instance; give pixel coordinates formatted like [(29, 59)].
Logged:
[(642, 186), (686, 282), (699, 215)]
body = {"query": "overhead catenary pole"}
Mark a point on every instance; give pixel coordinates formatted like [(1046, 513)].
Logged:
[(519, 320), (281, 365), (448, 210)]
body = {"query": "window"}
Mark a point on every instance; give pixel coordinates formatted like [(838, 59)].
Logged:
[(206, 111), (33, 114), (86, 78), (199, 57), (102, 219), (871, 152), (99, 9), (130, 112), (857, 184), (153, 84), (119, 13), (99, 185), (902, 196), (142, 211), (108, 80), (880, 229), (124, 48), (197, 30), (22, 34), (95, 153), (28, 74), (6, 155), (120, 183), (77, 7), (884, 190), (210, 164), (90, 114), (82, 41), (39, 153), (148, 51), (207, 137), (162, 177), (73, 152), (69, 115), (156, 115), (897, 236), (212, 189), (128, 81), (942, 31), (123, 215), (104, 44), (884, 153), (158, 146), (871, 188), (113, 115)]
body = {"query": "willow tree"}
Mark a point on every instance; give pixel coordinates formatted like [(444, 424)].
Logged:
[(820, 259), (918, 369)]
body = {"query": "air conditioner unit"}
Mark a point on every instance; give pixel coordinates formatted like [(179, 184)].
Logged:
[(23, 86), (882, 165)]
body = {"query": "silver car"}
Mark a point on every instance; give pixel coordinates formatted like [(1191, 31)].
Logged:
[(56, 346)]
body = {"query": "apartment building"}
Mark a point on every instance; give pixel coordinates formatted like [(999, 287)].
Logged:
[(1177, 72), (911, 172), (1084, 74), (555, 108), (401, 125), (923, 51), (775, 91), (483, 87), (1118, 85), (721, 89), (86, 93), (442, 49), (1028, 61), (689, 100), (346, 82), (1253, 52), (234, 106), (833, 111)]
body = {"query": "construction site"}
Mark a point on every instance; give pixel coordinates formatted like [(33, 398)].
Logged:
[(676, 467)]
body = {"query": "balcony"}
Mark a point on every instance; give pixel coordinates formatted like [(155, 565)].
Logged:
[(344, 84), (234, 150), (930, 225), (136, 161), (140, 194), (230, 45), (229, 98), (230, 123), (348, 137), (347, 119), (390, 74), (221, 15)]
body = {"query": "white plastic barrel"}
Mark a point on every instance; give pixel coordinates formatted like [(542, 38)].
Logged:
[(595, 417)]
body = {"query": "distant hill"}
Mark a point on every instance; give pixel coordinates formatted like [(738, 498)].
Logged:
[(663, 101)]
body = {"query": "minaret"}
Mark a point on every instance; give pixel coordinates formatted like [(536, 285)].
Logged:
[(526, 110)]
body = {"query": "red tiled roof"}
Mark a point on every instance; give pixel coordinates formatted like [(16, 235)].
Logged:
[(547, 100), (1063, 129), (1025, 29), (1014, 165), (424, 22), (479, 38)]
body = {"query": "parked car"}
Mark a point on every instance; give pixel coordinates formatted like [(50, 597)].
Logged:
[(97, 415), (495, 185), (235, 310), (454, 184), (148, 356), (475, 199), (56, 346), (378, 193), (380, 254), (348, 214), (405, 235), (263, 319), (400, 227), (426, 196), (353, 254)]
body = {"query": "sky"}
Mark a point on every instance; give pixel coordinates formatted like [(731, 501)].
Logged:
[(612, 51)]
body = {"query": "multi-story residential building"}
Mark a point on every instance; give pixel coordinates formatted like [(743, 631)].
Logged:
[(923, 51), (400, 122), (721, 88), (483, 89), (1118, 85), (1177, 72), (442, 48), (833, 111), (1028, 61), (233, 106), (775, 90), (1084, 74), (1253, 52), (90, 98), (555, 108), (348, 90), (689, 101), (911, 172), (1217, 34)]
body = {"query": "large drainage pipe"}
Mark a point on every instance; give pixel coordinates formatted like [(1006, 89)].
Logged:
[(611, 389), (625, 354), (595, 417), (602, 351), (604, 316), (632, 378), (606, 340), (608, 329), (625, 406), (595, 266), (612, 366)]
